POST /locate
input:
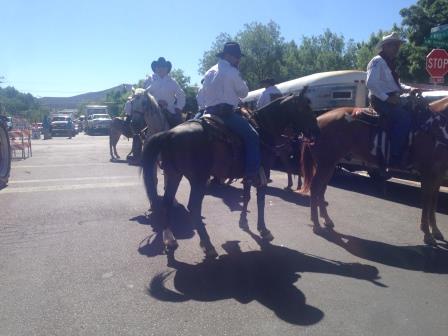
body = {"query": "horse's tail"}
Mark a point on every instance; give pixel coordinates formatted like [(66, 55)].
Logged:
[(150, 153), (308, 168)]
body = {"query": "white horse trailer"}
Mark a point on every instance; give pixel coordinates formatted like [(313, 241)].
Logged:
[(326, 90)]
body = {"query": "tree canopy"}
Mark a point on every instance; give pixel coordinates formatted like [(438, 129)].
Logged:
[(268, 54)]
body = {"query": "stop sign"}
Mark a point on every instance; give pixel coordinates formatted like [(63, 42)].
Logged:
[(437, 62)]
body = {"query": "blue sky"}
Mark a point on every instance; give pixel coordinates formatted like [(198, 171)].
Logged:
[(65, 48)]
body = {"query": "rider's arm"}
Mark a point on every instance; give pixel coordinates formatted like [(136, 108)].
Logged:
[(373, 81), (240, 85), (263, 100), (180, 97)]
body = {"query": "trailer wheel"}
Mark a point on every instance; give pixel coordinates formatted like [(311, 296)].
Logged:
[(5, 156)]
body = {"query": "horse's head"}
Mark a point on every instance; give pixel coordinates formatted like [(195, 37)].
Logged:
[(142, 102), (299, 115)]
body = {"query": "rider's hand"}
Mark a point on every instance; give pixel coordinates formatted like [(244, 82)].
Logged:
[(394, 99)]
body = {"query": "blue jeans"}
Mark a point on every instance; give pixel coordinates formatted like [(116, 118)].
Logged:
[(241, 126), (400, 125)]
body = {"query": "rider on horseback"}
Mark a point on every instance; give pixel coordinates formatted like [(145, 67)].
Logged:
[(166, 91), (222, 90), (384, 93)]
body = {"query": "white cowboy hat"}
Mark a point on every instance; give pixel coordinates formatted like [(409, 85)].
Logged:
[(394, 37)]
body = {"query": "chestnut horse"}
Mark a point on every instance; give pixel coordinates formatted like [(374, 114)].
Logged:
[(190, 150), (342, 133)]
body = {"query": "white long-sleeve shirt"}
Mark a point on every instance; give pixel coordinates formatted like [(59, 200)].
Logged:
[(223, 85), (265, 97), (200, 99), (167, 89), (380, 81)]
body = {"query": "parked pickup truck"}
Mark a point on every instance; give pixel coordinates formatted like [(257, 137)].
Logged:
[(98, 123), (62, 125)]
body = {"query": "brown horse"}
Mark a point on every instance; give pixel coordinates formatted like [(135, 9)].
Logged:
[(117, 128), (342, 133), (192, 151)]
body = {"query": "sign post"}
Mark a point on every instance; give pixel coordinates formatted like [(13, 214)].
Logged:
[(437, 65)]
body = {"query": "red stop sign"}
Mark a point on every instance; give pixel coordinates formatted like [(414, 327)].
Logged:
[(437, 62)]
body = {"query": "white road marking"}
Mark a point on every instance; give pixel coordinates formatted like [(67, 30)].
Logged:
[(63, 165), (72, 179), (69, 187)]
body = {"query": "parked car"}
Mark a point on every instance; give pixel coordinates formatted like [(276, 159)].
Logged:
[(98, 124), (61, 125)]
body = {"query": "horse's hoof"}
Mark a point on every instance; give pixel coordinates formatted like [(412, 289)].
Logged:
[(429, 240), (266, 235), (329, 224), (317, 229), (171, 246), (438, 235), (210, 253)]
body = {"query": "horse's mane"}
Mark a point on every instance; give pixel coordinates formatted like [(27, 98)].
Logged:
[(439, 106)]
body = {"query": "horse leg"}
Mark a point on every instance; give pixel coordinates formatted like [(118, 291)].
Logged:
[(246, 198), (284, 159), (432, 214), (318, 186), (323, 204), (196, 197), (170, 192), (427, 191), (265, 234)]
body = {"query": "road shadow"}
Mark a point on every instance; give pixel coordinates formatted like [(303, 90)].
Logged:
[(181, 226), (414, 258), (232, 196), (395, 192), (267, 276), (118, 161)]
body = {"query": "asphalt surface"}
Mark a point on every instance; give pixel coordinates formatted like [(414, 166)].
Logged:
[(78, 256)]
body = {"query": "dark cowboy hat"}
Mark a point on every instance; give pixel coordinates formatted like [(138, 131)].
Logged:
[(161, 63), (231, 48), (268, 81)]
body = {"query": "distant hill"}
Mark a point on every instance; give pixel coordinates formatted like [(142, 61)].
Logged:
[(85, 98)]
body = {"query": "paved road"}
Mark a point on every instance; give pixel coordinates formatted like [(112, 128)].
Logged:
[(77, 257)]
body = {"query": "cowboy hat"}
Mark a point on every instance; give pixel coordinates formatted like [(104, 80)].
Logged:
[(231, 48), (391, 38), (161, 63)]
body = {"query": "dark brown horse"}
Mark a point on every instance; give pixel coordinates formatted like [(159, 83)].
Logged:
[(342, 133), (189, 150)]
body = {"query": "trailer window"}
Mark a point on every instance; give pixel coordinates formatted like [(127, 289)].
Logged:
[(342, 95)]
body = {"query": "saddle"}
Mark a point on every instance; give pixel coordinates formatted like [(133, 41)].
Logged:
[(217, 130)]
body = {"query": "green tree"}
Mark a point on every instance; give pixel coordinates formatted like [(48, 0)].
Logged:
[(190, 91), (417, 22), (264, 48), (115, 101)]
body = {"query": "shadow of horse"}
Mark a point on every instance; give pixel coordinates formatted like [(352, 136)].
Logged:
[(232, 196), (267, 276), (414, 258), (153, 244), (396, 192)]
